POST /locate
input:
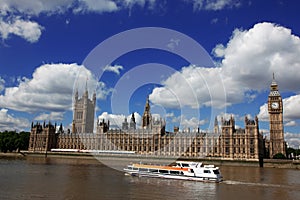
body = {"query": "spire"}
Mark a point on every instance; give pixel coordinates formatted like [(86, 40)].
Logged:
[(274, 87), (94, 97), (76, 94), (147, 106), (86, 84), (132, 117), (147, 115), (274, 84), (86, 88), (216, 122)]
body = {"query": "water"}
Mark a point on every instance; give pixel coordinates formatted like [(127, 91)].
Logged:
[(70, 178)]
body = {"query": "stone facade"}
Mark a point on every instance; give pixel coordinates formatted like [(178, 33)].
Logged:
[(42, 137), (83, 113), (225, 141), (275, 109), (153, 139)]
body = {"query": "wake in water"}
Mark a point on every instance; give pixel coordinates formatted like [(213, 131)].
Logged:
[(231, 182)]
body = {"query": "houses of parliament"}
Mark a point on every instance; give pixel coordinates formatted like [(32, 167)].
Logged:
[(224, 142)]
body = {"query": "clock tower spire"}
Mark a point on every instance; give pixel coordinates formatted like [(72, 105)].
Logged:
[(275, 109)]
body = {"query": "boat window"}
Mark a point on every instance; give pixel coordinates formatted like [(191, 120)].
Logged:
[(154, 170), (135, 168), (164, 171), (185, 165), (174, 172), (192, 171), (143, 169), (216, 171), (207, 171)]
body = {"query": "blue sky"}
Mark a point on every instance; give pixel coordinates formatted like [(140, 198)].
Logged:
[(46, 47)]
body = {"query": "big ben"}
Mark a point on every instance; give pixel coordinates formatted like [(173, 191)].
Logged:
[(275, 108)]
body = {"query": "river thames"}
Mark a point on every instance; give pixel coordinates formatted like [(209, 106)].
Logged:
[(72, 178)]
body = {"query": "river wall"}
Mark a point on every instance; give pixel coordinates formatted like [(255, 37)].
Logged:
[(272, 163)]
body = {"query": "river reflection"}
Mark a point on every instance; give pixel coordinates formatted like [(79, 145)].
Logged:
[(71, 178)]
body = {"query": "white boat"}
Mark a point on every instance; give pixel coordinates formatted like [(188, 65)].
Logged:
[(183, 170)]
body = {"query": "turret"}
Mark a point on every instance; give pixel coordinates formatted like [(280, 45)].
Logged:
[(216, 126), (76, 95), (132, 122), (94, 98)]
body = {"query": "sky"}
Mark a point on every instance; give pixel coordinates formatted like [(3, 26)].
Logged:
[(194, 59)]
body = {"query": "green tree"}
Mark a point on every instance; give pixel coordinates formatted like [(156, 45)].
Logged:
[(23, 140), (279, 156), (12, 141)]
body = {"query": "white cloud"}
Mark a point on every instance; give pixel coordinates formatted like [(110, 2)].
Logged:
[(192, 86), (115, 69), (293, 140), (15, 15), (226, 116), (193, 123), (116, 120), (50, 89), (52, 116), (142, 3), (2, 84), (29, 30), (248, 61), (214, 4), (96, 6), (291, 107), (291, 123), (214, 21), (251, 56), (34, 7), (9, 122)]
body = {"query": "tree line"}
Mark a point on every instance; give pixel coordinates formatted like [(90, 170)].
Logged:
[(12, 141)]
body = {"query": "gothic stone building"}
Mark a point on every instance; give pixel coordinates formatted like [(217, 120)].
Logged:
[(83, 113), (225, 141), (275, 109), (43, 137)]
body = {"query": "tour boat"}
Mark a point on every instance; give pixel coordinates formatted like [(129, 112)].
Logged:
[(183, 170)]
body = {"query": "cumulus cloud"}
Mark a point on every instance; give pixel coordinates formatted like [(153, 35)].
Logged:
[(34, 7), (291, 123), (15, 15), (52, 116), (214, 4), (116, 120), (96, 6), (2, 86), (9, 122), (291, 107), (292, 139), (193, 86), (142, 3), (251, 56), (29, 30), (115, 69), (192, 122), (51, 89), (248, 61)]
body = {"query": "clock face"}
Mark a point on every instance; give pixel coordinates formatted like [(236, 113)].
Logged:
[(275, 105)]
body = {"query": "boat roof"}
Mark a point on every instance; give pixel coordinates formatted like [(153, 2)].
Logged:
[(146, 166), (188, 162)]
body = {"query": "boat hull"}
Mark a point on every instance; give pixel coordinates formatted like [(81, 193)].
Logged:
[(170, 176)]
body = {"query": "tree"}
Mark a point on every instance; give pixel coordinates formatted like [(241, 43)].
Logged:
[(12, 141), (279, 156)]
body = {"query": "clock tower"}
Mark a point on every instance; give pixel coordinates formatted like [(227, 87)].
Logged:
[(275, 109)]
